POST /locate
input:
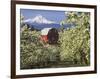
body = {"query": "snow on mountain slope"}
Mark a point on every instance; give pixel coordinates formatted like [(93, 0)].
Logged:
[(39, 19)]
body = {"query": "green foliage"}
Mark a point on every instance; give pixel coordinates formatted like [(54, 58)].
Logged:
[(34, 52), (75, 42), (21, 18)]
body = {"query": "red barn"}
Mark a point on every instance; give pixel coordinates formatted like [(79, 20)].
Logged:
[(49, 35)]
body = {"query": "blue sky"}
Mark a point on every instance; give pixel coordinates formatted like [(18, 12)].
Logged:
[(52, 15)]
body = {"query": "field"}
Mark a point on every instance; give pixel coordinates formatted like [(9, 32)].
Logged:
[(72, 48)]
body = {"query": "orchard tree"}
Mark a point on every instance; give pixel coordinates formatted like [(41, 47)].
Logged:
[(34, 52), (75, 41)]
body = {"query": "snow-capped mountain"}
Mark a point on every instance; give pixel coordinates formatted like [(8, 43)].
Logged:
[(39, 19), (39, 22)]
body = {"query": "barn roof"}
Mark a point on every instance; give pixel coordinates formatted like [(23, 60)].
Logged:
[(45, 31)]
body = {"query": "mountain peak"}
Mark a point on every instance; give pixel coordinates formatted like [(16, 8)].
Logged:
[(39, 19), (39, 16)]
